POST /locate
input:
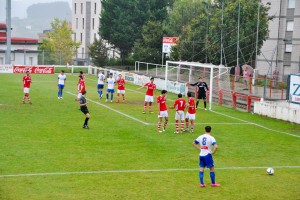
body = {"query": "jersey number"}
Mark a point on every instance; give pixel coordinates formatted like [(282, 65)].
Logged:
[(204, 141), (181, 103)]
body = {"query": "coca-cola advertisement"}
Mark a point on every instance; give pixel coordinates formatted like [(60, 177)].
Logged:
[(38, 69)]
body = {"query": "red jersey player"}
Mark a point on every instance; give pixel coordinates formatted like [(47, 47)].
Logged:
[(162, 110), (26, 87), (80, 87), (191, 113), (121, 88), (151, 87), (179, 105)]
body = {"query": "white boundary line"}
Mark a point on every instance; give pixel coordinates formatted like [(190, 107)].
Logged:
[(261, 126), (221, 123), (139, 171), (124, 114)]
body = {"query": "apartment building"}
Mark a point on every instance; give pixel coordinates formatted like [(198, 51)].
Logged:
[(281, 51), (85, 24)]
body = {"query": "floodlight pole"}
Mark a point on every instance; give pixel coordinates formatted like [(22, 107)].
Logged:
[(166, 75), (238, 36), (257, 30), (210, 87), (8, 32), (221, 58)]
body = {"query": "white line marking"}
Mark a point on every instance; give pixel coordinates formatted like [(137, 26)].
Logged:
[(210, 123), (124, 114), (139, 171), (261, 126)]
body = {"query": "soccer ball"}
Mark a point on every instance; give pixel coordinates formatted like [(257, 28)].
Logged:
[(270, 171)]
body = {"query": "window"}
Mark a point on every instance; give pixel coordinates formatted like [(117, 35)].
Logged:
[(95, 8), (288, 48), (290, 26), (81, 8), (1, 61), (292, 3), (93, 23), (30, 60), (286, 70), (75, 37), (81, 37), (82, 50), (95, 36), (75, 8), (76, 23), (82, 23)]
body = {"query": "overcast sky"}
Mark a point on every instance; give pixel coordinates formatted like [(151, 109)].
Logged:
[(19, 7)]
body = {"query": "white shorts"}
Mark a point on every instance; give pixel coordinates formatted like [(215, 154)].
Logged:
[(26, 90), (148, 98), (121, 91), (179, 115), (190, 116), (79, 95), (163, 114)]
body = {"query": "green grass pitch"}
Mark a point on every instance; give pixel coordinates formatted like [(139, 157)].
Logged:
[(45, 153)]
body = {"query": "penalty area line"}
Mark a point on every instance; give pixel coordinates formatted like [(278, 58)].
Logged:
[(117, 111), (140, 171), (220, 123), (258, 125)]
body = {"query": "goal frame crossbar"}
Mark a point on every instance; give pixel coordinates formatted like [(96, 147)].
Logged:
[(196, 64)]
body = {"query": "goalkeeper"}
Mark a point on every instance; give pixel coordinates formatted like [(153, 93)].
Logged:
[(201, 88)]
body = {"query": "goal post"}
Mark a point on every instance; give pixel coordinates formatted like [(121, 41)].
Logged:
[(217, 77)]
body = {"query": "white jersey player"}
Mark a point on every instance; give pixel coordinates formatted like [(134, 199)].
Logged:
[(61, 83), (207, 146), (110, 87), (100, 86)]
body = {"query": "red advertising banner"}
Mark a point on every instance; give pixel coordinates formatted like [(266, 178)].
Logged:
[(39, 69), (170, 40)]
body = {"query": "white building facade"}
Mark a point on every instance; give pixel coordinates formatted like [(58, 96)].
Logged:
[(281, 51), (85, 24), (24, 51)]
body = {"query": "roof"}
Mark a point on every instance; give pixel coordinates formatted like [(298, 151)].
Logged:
[(2, 26), (19, 40)]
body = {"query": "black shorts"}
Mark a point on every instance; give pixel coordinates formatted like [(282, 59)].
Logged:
[(201, 96), (84, 109)]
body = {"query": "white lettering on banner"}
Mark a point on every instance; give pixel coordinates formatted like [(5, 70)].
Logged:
[(43, 70), (33, 69), (22, 70), (170, 40)]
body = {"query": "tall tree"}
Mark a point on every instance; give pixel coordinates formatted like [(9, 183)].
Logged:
[(122, 21), (199, 26), (148, 49), (99, 52), (59, 44)]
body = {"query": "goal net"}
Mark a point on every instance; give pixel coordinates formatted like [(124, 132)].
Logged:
[(216, 77)]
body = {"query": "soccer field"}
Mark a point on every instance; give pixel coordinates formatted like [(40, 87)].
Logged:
[(46, 154)]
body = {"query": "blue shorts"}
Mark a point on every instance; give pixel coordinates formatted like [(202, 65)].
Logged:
[(110, 90), (60, 86), (100, 86), (206, 161)]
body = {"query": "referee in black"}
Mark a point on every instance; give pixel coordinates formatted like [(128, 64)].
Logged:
[(202, 88), (84, 109)]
